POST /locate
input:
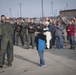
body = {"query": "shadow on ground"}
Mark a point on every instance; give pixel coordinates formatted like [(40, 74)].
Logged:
[(71, 54), (25, 59)]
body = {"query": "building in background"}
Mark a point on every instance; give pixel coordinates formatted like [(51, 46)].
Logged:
[(71, 12)]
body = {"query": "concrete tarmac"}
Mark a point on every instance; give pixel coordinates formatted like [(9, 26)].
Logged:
[(26, 62)]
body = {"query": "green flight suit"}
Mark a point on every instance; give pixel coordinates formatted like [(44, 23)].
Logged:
[(64, 23), (7, 32), (0, 31)]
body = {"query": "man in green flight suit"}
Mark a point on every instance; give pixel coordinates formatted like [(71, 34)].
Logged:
[(2, 21), (7, 32)]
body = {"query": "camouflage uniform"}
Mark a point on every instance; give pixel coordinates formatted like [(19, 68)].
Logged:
[(7, 32)]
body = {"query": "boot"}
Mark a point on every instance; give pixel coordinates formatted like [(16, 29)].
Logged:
[(70, 47), (73, 47), (9, 65), (1, 66), (65, 43)]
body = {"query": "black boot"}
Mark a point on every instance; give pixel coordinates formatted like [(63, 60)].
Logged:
[(73, 47), (9, 65), (70, 47), (1, 66)]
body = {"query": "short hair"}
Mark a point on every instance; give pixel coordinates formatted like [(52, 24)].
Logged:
[(73, 20), (31, 19), (70, 20), (2, 15), (41, 20)]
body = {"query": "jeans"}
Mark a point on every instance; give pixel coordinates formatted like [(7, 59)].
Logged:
[(0, 43), (59, 42), (71, 39), (41, 55)]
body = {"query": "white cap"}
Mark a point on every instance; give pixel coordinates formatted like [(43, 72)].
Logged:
[(46, 23)]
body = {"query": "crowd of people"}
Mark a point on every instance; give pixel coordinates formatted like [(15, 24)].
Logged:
[(58, 32)]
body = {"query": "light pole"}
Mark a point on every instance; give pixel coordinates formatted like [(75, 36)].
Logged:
[(20, 10), (17, 13), (42, 8), (10, 11), (66, 6), (52, 8)]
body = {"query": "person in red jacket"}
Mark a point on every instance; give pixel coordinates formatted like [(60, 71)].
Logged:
[(70, 32)]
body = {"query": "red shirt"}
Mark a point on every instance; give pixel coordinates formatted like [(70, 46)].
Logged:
[(70, 30)]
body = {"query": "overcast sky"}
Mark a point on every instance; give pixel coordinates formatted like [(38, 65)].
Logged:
[(32, 8)]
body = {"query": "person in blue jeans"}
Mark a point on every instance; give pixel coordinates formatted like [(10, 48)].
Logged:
[(59, 42), (71, 32), (40, 40), (58, 35)]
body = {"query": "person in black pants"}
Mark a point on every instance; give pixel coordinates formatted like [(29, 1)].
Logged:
[(31, 34), (18, 33)]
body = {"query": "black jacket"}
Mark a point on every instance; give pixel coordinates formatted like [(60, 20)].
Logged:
[(31, 28), (18, 28), (38, 45)]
